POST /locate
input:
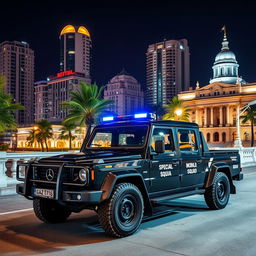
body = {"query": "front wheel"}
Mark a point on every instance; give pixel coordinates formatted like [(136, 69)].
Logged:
[(217, 195), (50, 211), (121, 215)]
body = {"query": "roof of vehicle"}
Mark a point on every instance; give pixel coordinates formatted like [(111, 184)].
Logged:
[(154, 122)]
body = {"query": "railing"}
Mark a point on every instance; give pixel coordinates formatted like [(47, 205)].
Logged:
[(8, 163)]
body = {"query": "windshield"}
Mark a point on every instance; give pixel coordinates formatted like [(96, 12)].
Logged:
[(117, 137)]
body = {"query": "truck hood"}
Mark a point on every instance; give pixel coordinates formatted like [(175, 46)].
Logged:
[(90, 157)]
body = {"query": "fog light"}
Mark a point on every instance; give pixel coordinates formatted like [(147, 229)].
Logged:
[(83, 175), (78, 197)]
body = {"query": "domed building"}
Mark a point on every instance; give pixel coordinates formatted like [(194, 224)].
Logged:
[(225, 67), (126, 93), (215, 107)]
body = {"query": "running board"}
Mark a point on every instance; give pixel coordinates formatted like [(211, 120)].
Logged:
[(174, 196)]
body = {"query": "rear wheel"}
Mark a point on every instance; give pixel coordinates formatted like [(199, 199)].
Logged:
[(217, 195), (121, 215), (50, 211)]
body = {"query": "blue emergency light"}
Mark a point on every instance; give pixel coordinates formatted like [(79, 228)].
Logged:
[(108, 118), (146, 116), (141, 115)]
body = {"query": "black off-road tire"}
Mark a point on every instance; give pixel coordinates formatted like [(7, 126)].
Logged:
[(122, 213), (50, 211), (217, 195)]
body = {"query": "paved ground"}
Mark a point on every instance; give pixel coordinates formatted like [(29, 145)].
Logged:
[(189, 229)]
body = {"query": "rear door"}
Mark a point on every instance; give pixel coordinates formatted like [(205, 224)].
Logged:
[(164, 168), (193, 166)]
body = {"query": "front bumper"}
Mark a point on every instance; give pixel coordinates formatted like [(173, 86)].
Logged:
[(88, 197)]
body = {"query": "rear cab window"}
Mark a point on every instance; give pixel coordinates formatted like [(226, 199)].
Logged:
[(187, 141)]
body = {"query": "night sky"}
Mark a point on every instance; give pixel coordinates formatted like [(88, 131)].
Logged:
[(121, 33)]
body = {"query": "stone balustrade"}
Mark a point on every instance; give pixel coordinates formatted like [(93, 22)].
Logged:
[(8, 163)]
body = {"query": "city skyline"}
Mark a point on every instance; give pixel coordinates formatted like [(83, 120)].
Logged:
[(120, 36)]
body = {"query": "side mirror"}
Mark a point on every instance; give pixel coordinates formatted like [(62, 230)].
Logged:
[(159, 146)]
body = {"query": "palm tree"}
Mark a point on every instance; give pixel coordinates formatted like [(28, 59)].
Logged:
[(176, 110), (85, 106), (41, 132), (33, 137), (250, 115), (7, 109), (66, 133)]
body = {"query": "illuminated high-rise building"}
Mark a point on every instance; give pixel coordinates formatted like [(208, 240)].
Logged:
[(17, 66), (75, 50), (167, 71), (41, 100), (59, 87)]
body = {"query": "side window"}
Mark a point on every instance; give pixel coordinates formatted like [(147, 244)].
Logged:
[(167, 136), (187, 140)]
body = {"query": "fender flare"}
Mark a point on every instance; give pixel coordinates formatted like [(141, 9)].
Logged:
[(132, 177), (219, 167)]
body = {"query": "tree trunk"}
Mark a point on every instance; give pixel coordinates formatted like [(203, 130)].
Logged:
[(88, 132), (70, 140), (45, 141), (42, 145), (252, 133)]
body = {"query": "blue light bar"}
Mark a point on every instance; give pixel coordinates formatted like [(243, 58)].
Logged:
[(141, 115), (107, 118)]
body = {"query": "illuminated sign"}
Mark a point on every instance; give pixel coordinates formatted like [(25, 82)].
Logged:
[(65, 73)]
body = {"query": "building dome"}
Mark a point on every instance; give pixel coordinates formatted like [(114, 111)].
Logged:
[(224, 56), (71, 29), (225, 67), (123, 76)]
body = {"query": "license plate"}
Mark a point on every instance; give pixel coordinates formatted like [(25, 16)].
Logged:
[(47, 193)]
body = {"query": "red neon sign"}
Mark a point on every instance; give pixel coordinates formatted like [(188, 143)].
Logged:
[(65, 73)]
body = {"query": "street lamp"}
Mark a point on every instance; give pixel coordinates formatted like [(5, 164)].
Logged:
[(178, 112), (238, 114)]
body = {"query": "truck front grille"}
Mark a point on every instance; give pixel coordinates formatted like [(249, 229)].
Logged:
[(45, 173)]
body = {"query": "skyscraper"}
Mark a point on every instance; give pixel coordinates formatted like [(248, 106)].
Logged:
[(75, 49), (41, 100), (17, 66), (126, 93), (59, 87), (167, 71)]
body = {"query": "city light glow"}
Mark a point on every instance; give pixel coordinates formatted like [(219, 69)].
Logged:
[(178, 112)]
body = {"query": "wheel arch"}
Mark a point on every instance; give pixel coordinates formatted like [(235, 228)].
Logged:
[(220, 168), (134, 178)]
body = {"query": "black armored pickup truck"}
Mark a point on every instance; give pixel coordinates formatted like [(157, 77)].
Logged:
[(125, 167)]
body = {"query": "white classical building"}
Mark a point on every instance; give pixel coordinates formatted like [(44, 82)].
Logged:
[(214, 107)]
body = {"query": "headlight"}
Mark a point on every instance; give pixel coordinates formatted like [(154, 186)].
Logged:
[(21, 172), (83, 175)]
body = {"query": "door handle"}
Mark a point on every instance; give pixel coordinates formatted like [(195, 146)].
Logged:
[(199, 161), (175, 162)]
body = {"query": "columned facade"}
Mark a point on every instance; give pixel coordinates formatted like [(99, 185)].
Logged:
[(214, 108)]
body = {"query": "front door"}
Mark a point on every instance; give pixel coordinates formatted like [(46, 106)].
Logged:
[(165, 167)]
